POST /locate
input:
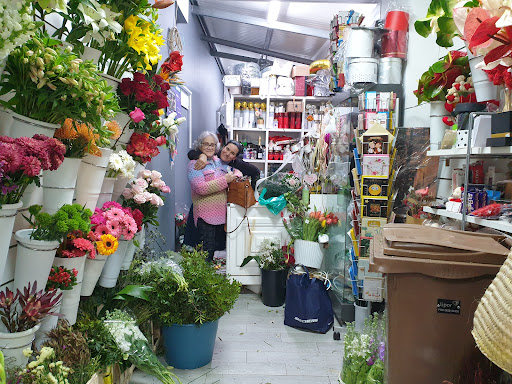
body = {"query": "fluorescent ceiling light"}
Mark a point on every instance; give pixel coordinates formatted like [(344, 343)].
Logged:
[(273, 11)]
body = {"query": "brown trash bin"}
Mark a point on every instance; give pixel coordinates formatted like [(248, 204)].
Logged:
[(432, 293)]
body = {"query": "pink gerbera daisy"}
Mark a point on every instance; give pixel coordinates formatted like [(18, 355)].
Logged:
[(101, 230), (114, 214), (83, 244), (110, 204), (114, 228)]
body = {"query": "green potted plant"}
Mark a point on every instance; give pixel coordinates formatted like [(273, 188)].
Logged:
[(37, 246), (274, 264), (188, 299)]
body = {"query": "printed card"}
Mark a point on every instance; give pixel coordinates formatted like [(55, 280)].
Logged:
[(375, 145), (376, 165), (371, 118), (375, 207), (375, 186), (370, 226)]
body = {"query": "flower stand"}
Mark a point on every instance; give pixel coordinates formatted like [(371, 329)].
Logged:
[(13, 344), (107, 188), (23, 126), (7, 217), (59, 185), (34, 260), (90, 178), (92, 272), (308, 253), (71, 298), (110, 273)]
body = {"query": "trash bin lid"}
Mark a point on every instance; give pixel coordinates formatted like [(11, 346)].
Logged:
[(449, 265)]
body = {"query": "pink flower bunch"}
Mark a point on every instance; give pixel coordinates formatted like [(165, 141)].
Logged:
[(76, 244), (145, 194), (113, 219), (21, 161)]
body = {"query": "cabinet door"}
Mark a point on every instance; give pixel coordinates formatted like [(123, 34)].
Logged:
[(246, 239)]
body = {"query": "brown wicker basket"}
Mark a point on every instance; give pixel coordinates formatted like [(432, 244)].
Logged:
[(492, 324)]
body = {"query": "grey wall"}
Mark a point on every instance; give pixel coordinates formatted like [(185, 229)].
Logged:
[(202, 77)]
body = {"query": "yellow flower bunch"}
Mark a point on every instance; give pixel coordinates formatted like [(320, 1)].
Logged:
[(107, 245), (144, 38)]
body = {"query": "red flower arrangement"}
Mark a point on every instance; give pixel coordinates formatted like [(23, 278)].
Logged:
[(171, 66), (76, 244), (149, 94), (61, 278), (21, 161), (143, 147)]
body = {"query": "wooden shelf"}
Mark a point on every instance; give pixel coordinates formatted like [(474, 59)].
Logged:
[(475, 151), (500, 225)]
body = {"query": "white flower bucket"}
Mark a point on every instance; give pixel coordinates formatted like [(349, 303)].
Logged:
[(91, 54), (7, 217), (308, 253), (130, 251), (13, 344), (121, 182), (110, 273), (34, 260), (5, 122), (437, 126), (90, 178), (59, 185), (123, 119), (23, 126), (92, 272), (361, 314), (111, 81), (32, 195), (142, 237), (107, 188), (70, 303), (48, 323), (484, 89), (71, 263)]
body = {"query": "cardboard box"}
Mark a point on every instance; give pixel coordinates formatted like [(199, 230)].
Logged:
[(232, 80), (281, 68), (300, 70), (300, 85)]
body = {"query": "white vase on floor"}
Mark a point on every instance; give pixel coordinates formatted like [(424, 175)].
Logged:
[(59, 185), (90, 178), (92, 272), (7, 217), (34, 260)]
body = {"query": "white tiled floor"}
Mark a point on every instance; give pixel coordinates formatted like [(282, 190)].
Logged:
[(253, 346)]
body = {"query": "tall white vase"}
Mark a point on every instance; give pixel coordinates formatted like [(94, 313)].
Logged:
[(106, 191), (13, 344), (124, 120), (59, 185), (7, 217), (90, 178), (484, 89), (92, 272), (23, 126), (71, 297), (437, 126), (111, 81), (121, 182), (34, 260), (110, 273)]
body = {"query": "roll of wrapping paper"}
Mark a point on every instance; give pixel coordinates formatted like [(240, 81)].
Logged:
[(394, 44), (397, 21)]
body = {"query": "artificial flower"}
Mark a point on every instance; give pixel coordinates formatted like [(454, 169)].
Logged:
[(107, 245)]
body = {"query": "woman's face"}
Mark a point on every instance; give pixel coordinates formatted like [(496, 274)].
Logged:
[(229, 153), (208, 146)]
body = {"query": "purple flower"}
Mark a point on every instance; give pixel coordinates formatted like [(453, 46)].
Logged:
[(382, 350)]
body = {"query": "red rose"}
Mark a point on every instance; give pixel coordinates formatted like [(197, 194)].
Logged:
[(139, 77), (161, 100), (164, 87), (126, 86), (145, 95), (158, 79)]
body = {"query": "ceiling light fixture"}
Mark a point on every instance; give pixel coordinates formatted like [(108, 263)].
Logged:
[(273, 11)]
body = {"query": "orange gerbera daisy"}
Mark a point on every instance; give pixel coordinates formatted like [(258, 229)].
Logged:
[(114, 127), (107, 245)]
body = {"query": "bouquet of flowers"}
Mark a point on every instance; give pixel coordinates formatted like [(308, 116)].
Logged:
[(145, 194), (16, 25), (363, 360), (21, 311), (21, 161), (61, 278), (51, 84), (45, 369), (170, 68), (148, 93), (180, 219), (310, 228), (113, 219), (143, 147), (68, 219), (279, 184), (76, 244), (121, 164), (134, 345), (270, 256)]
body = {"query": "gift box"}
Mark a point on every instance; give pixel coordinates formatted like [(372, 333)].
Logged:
[(232, 80), (501, 123), (300, 70), (300, 85)]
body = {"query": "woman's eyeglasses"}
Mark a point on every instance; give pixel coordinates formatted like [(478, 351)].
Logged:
[(208, 145)]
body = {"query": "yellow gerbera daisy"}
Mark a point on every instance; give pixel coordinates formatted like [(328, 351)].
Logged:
[(107, 245)]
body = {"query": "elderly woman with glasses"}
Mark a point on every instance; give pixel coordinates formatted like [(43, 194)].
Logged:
[(209, 186)]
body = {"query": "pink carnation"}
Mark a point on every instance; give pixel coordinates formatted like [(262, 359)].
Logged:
[(137, 189), (165, 189)]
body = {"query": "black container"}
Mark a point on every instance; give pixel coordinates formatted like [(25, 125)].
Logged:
[(501, 123), (273, 287), (463, 110)]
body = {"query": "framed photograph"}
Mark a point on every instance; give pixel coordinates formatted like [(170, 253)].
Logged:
[(375, 145)]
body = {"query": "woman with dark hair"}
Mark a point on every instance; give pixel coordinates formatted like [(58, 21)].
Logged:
[(228, 155), (209, 198)]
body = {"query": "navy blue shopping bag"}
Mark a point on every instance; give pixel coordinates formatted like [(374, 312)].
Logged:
[(307, 304)]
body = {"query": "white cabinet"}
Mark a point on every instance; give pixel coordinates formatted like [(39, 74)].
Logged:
[(245, 240)]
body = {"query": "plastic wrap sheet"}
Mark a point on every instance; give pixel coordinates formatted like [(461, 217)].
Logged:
[(321, 81)]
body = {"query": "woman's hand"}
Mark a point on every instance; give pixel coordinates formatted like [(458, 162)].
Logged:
[(201, 162), (230, 177)]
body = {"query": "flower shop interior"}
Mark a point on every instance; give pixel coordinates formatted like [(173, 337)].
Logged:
[(218, 191)]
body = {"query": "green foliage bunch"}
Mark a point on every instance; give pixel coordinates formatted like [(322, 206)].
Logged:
[(69, 217)]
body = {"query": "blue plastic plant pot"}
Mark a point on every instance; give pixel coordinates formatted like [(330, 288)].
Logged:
[(189, 346)]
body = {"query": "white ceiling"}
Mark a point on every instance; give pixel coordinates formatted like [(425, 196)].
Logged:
[(301, 33)]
